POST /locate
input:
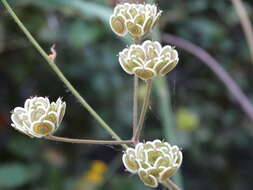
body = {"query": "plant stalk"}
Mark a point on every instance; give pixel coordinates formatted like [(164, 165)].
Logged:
[(87, 141), (135, 104), (144, 109), (135, 96)]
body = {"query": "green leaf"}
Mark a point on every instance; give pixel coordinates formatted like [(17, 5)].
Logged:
[(29, 146), (88, 9), (126, 183), (14, 175), (80, 33)]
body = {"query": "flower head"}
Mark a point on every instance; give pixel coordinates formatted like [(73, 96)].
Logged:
[(135, 19), (148, 60), (154, 161), (38, 117)]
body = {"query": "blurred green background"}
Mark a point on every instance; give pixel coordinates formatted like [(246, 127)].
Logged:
[(215, 135)]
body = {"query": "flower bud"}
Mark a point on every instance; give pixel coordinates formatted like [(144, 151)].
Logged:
[(154, 161), (38, 117), (135, 19), (148, 60)]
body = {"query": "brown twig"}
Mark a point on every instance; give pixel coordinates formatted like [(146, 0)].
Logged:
[(135, 96), (144, 110), (135, 103), (245, 22), (214, 65), (87, 141)]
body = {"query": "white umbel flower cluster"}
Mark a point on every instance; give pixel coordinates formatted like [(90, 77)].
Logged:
[(38, 117), (135, 19), (148, 60), (154, 161)]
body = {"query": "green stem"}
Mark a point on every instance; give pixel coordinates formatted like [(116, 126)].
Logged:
[(167, 117), (87, 141), (144, 109), (59, 73)]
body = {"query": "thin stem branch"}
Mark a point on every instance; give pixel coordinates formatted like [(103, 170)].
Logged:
[(87, 141), (135, 96), (144, 109), (245, 22), (135, 103), (170, 185), (216, 67), (59, 73)]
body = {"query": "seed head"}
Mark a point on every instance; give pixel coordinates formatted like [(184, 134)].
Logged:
[(135, 19), (154, 161), (148, 60), (38, 117)]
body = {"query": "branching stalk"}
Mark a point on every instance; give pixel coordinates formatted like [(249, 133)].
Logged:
[(135, 97), (143, 111), (87, 141), (60, 74)]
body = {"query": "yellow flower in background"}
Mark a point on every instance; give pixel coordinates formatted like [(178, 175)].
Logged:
[(148, 60), (187, 120), (154, 161), (92, 178), (135, 19), (95, 174), (38, 117)]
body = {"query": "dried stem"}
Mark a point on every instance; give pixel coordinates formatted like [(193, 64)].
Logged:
[(245, 22), (144, 109), (170, 185), (135, 103), (215, 66), (60, 74), (135, 97), (87, 141)]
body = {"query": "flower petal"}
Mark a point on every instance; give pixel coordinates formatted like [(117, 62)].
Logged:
[(42, 128), (167, 173), (167, 68), (144, 73), (117, 24), (134, 29), (130, 163), (147, 179), (60, 113)]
